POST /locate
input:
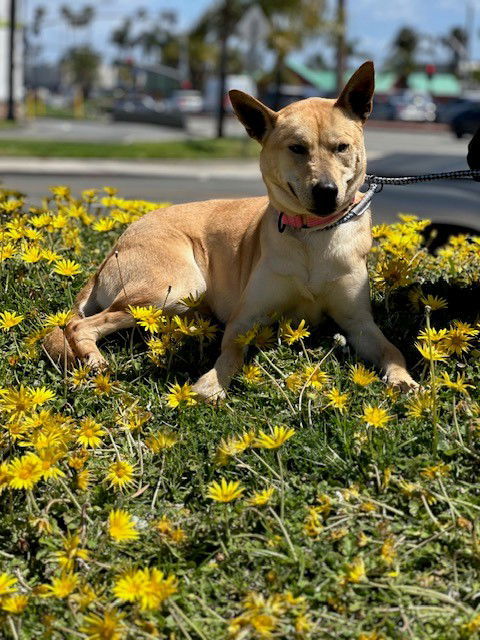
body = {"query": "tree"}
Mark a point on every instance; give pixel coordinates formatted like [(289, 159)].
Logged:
[(82, 18), (456, 42), (121, 36), (293, 22), (82, 63), (403, 58)]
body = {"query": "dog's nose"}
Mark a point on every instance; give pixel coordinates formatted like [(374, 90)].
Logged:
[(324, 195)]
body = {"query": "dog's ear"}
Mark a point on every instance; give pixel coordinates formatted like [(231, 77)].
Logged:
[(357, 97), (257, 119)]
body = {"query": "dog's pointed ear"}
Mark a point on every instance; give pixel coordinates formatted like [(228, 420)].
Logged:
[(257, 118), (357, 97)]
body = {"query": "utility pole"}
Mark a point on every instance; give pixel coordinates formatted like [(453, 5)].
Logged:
[(11, 62), (223, 64), (341, 45)]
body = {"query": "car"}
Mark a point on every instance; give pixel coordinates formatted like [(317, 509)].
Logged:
[(446, 111), (186, 101), (144, 108), (413, 106), (467, 121), (383, 109)]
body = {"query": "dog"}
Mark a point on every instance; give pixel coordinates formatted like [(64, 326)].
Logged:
[(313, 163)]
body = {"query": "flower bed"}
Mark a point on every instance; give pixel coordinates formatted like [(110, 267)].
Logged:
[(315, 503)]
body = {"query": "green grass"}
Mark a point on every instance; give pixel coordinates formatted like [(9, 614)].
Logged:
[(195, 149), (384, 500)]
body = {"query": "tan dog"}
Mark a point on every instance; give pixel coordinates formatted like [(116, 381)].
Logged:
[(313, 162)]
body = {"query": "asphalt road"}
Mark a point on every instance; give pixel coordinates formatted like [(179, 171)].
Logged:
[(390, 153)]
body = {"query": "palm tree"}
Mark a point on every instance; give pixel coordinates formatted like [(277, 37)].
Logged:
[(293, 22), (456, 42), (403, 58)]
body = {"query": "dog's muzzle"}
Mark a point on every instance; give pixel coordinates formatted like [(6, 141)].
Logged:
[(324, 196)]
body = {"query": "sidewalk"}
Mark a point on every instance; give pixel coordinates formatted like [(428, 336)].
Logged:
[(175, 168), (219, 168)]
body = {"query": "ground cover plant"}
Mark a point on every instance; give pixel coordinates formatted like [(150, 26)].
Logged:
[(316, 502)]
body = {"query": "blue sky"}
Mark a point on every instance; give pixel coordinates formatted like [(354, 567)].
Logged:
[(372, 22)]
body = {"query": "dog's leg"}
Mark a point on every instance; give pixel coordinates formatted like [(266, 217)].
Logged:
[(351, 310), (83, 334), (257, 302)]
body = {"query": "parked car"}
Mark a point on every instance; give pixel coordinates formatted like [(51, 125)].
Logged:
[(414, 106), (467, 121), (446, 111), (383, 109), (144, 108), (186, 101)]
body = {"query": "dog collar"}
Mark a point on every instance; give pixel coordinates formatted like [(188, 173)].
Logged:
[(303, 222)]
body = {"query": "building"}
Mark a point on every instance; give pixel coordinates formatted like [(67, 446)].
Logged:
[(18, 84)]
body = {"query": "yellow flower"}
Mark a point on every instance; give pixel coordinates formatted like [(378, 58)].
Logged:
[(260, 498), (244, 339), (9, 319), (67, 268), (432, 351), (129, 586), (104, 224), (432, 335), (313, 525), (120, 474), (388, 552), (25, 472), (362, 376), (355, 571), (147, 317), (6, 584), (436, 471), (60, 319), (337, 400), (473, 625), (275, 439), (61, 192), (160, 441), (148, 586), (419, 405), (456, 341), (62, 586), (292, 335), (192, 301), (14, 604), (121, 526), (434, 302), (31, 255), (83, 480), (80, 375), (225, 491), (71, 551), (375, 416), (313, 377), (89, 432), (106, 627), (252, 374), (40, 395), (166, 529), (457, 385), (181, 395), (102, 384)]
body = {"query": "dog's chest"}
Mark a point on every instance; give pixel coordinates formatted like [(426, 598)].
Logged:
[(318, 263)]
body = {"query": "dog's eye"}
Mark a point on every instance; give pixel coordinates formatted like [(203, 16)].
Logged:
[(342, 147), (298, 148)]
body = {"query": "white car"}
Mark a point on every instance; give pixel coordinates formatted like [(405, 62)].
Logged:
[(186, 101)]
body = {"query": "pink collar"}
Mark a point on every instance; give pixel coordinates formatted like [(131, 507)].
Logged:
[(306, 222)]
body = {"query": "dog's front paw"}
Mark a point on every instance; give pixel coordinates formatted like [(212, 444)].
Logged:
[(402, 380), (209, 389), (97, 362)]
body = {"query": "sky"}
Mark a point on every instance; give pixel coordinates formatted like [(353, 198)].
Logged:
[(373, 23)]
